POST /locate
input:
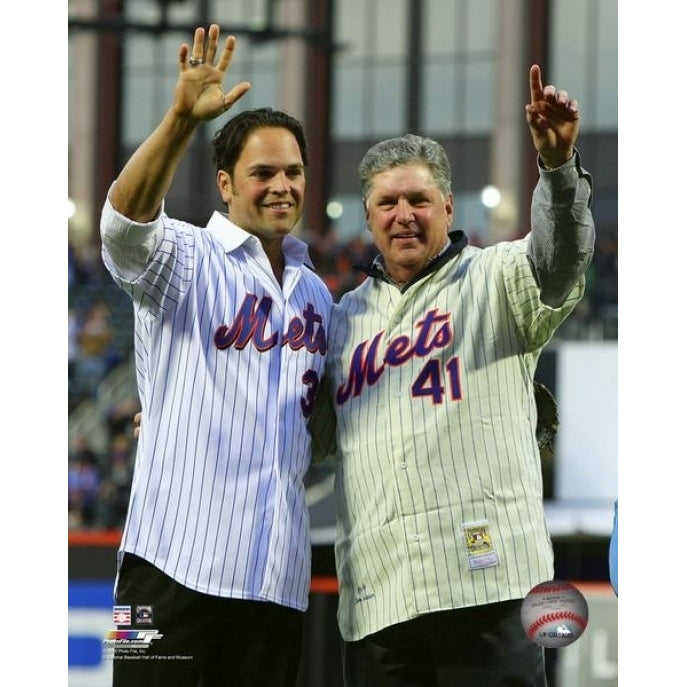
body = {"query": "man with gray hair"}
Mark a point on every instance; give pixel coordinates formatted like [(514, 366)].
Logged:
[(441, 529)]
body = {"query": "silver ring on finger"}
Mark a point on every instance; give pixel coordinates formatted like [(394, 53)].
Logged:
[(195, 61)]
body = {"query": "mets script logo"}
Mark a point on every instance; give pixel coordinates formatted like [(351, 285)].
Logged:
[(434, 332), (250, 324)]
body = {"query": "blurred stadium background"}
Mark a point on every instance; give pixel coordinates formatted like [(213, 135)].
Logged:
[(354, 71)]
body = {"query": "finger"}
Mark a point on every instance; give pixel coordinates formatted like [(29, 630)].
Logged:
[(571, 112), (198, 41), (227, 54), (535, 84), (183, 57), (535, 120), (562, 97), (550, 93), (236, 93), (213, 37)]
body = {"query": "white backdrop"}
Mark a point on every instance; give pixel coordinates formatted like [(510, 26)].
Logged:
[(587, 440)]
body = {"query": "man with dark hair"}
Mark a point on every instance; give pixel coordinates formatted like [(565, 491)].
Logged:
[(230, 342)]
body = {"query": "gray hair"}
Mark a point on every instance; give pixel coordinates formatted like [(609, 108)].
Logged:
[(404, 150)]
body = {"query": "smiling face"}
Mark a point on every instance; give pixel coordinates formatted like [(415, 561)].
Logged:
[(265, 194), (409, 218)]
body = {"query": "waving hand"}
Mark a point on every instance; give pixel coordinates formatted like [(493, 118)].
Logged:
[(199, 93)]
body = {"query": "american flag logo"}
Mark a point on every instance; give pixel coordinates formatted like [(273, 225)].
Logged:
[(121, 615)]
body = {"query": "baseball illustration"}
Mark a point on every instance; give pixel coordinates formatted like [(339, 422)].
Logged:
[(554, 614)]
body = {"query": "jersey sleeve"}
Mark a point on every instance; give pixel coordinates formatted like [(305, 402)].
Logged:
[(536, 321), (152, 262)]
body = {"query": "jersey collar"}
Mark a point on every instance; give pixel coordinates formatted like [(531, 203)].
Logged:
[(457, 241), (232, 237)]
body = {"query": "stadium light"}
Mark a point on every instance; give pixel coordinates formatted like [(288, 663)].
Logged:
[(491, 196), (334, 209)]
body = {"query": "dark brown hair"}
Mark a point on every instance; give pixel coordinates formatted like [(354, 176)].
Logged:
[(230, 140)]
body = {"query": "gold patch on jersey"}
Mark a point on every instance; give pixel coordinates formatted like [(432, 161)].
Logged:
[(480, 548)]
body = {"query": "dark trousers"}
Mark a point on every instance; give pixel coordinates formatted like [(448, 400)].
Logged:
[(206, 641), (473, 647)]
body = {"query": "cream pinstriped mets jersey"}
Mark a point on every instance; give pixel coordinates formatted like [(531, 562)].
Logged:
[(438, 485)]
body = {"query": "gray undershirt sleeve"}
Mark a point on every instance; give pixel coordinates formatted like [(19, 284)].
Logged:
[(562, 240)]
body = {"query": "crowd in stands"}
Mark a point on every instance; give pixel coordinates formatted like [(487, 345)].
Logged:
[(99, 484), (101, 337), (99, 324)]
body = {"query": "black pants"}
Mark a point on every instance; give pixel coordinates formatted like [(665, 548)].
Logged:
[(206, 641), (473, 647)]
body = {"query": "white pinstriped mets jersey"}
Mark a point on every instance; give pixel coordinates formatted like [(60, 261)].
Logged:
[(438, 485), (227, 364)]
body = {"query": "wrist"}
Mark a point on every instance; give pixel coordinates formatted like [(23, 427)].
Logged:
[(554, 161), (179, 124)]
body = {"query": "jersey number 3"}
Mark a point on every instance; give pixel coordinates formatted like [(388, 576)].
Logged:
[(311, 381)]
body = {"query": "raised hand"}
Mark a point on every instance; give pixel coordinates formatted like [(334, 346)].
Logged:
[(199, 93), (553, 118)]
